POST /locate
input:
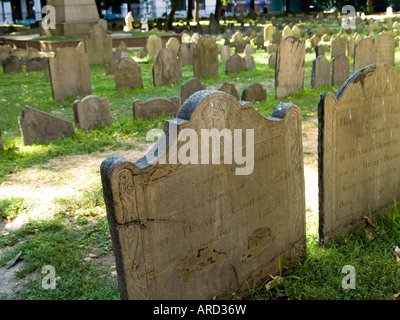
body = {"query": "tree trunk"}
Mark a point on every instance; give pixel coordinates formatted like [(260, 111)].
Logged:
[(370, 8), (189, 11), (196, 11), (171, 17), (218, 7), (287, 5)]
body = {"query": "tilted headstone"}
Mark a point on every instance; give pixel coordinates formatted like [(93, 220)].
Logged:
[(364, 54), (128, 75), (205, 58), (153, 45), (39, 127), (289, 69), (202, 231), (254, 93), (167, 68), (340, 70), (359, 150), (155, 107), (12, 64), (229, 88), (186, 53), (70, 73), (173, 44), (384, 45), (338, 46), (235, 64), (92, 111), (98, 45), (320, 73), (37, 64), (225, 52), (190, 87)]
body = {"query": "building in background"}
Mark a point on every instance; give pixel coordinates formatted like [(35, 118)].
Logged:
[(20, 11)]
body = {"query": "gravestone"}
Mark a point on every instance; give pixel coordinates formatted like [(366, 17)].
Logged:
[(385, 46), (186, 53), (241, 45), (321, 49), (98, 45), (259, 42), (39, 127), (155, 107), (350, 47), (190, 87), (229, 88), (205, 58), (289, 69), (272, 60), (37, 64), (196, 37), (268, 32), (320, 73), (340, 70), (359, 150), (173, 44), (276, 37), (287, 31), (296, 32), (167, 68), (250, 63), (254, 93), (70, 73), (128, 75), (364, 53), (112, 65), (92, 111), (225, 52), (207, 238), (338, 46), (237, 36), (153, 46), (314, 41), (12, 64), (235, 64)]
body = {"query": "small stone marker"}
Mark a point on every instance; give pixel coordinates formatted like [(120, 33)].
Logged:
[(321, 73), (340, 70), (235, 64), (186, 53), (359, 150), (37, 64), (190, 87), (128, 75), (70, 73), (338, 45), (205, 58), (39, 127), (153, 46), (92, 111), (268, 32), (155, 107), (173, 44), (289, 69), (385, 46), (98, 45), (12, 64), (364, 53), (112, 65), (254, 93), (229, 88), (225, 52), (167, 68), (174, 240), (272, 60)]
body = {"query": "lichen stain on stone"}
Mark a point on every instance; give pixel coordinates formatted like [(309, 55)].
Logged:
[(201, 261), (258, 242)]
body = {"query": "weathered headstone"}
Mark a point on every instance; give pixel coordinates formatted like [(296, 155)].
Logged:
[(338, 46), (98, 45), (178, 241), (190, 87), (186, 53), (39, 127), (268, 32), (167, 68), (272, 60), (128, 75), (37, 64), (229, 88), (155, 107), (225, 52), (205, 58), (254, 93), (289, 69), (321, 72), (359, 150), (340, 70), (364, 53), (250, 63), (112, 65), (12, 64), (235, 64), (153, 45), (70, 73), (173, 44), (92, 111), (384, 45), (241, 45)]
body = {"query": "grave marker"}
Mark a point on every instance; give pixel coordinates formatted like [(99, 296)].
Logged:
[(167, 68), (92, 111), (190, 87), (155, 107), (128, 75), (205, 58)]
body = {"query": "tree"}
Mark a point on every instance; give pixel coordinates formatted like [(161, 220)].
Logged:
[(217, 13), (196, 11)]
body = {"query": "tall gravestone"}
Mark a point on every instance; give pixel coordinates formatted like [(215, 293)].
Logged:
[(128, 75), (205, 58), (289, 69), (320, 73), (359, 149), (98, 45), (70, 73), (92, 111), (167, 68), (340, 70), (364, 53), (385, 46), (190, 87), (186, 53), (201, 231)]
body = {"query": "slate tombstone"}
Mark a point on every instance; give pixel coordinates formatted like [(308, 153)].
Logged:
[(39, 127), (92, 111), (340, 70), (364, 53), (225, 52), (70, 73), (153, 45), (229, 88), (289, 69), (186, 53), (12, 64), (235, 64), (155, 107), (190, 87), (359, 150), (37, 64), (338, 46), (205, 58), (167, 68), (98, 45), (321, 72), (172, 239), (385, 49), (255, 92), (128, 75)]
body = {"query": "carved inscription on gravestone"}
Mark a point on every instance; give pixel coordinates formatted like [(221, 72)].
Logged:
[(359, 149), (193, 231)]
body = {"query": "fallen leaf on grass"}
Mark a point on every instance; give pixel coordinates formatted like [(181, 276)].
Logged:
[(275, 281), (13, 260)]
